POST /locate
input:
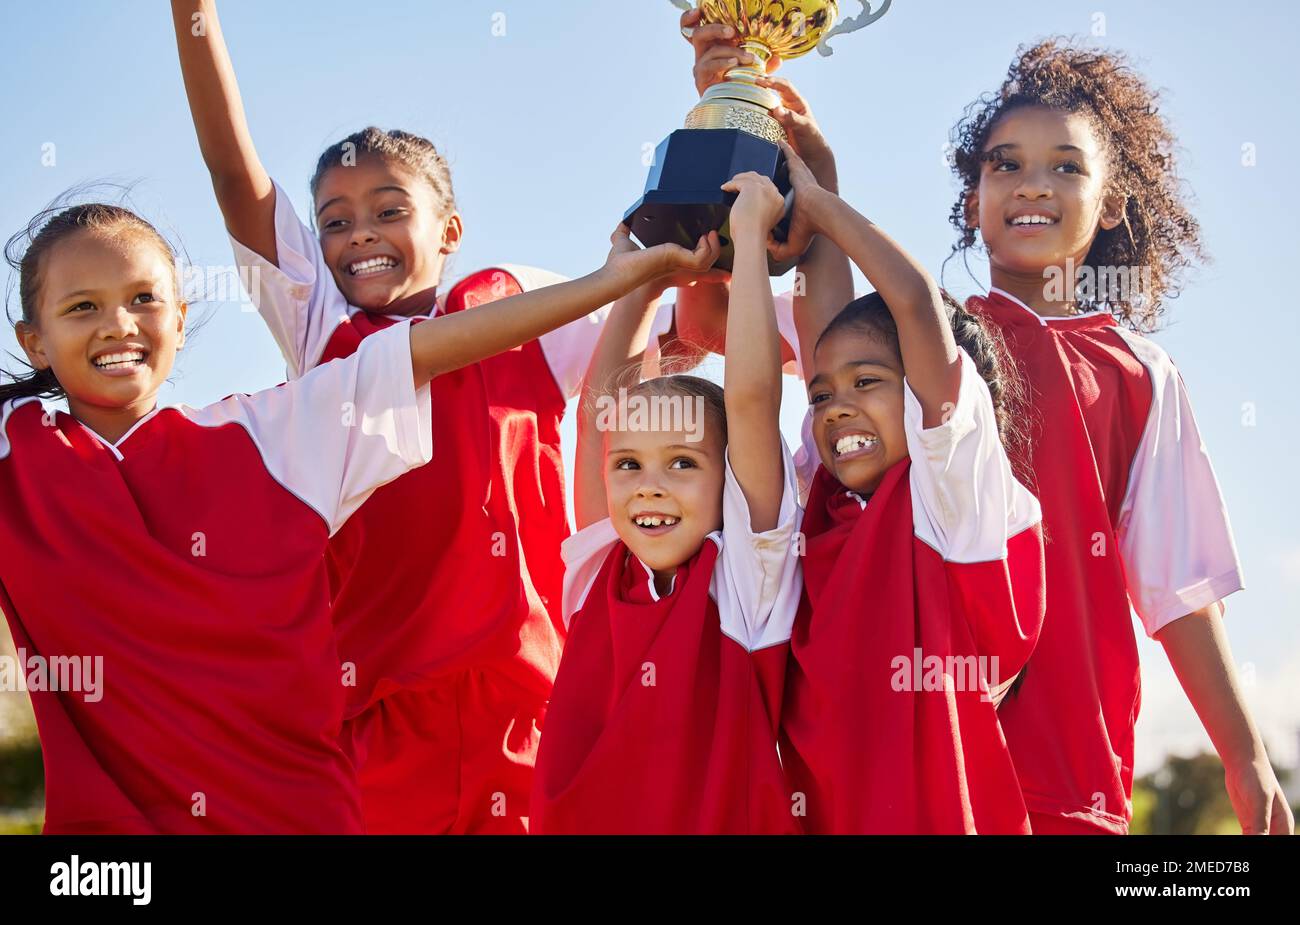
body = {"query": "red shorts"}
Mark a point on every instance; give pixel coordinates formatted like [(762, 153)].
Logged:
[(1045, 824), (451, 760)]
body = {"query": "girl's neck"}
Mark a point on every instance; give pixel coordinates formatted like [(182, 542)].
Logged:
[(1033, 291), (112, 424), (663, 579), (417, 305)]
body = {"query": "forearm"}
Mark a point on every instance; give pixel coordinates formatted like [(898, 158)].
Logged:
[(930, 359), (621, 344), (1197, 648), (752, 386), (752, 376), (449, 342), (238, 177), (827, 287)]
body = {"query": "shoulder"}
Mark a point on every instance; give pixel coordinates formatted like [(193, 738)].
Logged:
[(7, 410), (1150, 354)]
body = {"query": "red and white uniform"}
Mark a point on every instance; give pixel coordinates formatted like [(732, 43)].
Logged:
[(922, 597), (1135, 522), (447, 584), (189, 558), (664, 715)]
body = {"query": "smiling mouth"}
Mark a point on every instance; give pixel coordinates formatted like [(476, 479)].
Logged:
[(851, 446), (655, 524), (120, 361), (363, 268), (1032, 221)]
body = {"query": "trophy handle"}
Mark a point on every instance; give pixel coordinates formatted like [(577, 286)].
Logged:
[(852, 24)]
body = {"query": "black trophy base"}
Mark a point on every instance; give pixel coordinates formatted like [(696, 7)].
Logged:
[(684, 199)]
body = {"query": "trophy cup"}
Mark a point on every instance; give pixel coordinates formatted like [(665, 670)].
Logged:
[(732, 130)]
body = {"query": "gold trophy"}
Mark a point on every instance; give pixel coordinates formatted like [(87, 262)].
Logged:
[(732, 130)]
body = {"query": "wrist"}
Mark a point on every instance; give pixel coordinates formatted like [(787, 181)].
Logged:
[(819, 206), (748, 238), (1245, 758)]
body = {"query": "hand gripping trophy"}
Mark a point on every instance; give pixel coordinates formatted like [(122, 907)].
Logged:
[(732, 130)]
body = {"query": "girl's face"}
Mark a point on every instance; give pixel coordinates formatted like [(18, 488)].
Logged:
[(108, 323), (856, 394), (384, 236), (1042, 192), (665, 493)]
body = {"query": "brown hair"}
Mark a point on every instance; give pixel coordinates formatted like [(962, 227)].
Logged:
[(395, 146), (25, 253), (1158, 233)]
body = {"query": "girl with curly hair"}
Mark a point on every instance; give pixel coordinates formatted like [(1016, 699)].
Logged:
[(1068, 176)]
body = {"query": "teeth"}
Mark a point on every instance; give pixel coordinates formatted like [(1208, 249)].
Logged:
[(373, 265), (852, 442), (645, 520), (115, 360), (1033, 220)]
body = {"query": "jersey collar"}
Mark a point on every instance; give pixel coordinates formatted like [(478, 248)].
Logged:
[(1011, 310), (116, 448)]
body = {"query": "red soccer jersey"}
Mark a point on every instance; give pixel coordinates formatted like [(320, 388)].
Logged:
[(429, 577), (458, 566), (922, 599), (665, 711), (1133, 520), (187, 560)]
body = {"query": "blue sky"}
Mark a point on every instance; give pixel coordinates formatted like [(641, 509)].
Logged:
[(545, 127)]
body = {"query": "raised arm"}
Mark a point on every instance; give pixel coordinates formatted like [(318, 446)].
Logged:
[(448, 342), (244, 190), (825, 283), (622, 340), (930, 358), (752, 383)]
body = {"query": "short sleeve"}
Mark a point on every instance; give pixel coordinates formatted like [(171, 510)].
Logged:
[(966, 502), (1174, 536), (758, 580), (298, 300), (584, 553), (344, 429)]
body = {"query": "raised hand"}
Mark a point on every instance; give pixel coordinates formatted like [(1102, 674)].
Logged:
[(717, 50), (758, 207), (809, 201), (800, 125), (663, 260)]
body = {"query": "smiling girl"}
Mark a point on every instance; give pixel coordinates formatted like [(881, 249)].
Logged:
[(196, 536), (1069, 178), (681, 586), (924, 561), (447, 585)]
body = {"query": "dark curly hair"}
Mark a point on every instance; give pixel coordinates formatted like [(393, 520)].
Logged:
[(982, 342), (1158, 232)]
